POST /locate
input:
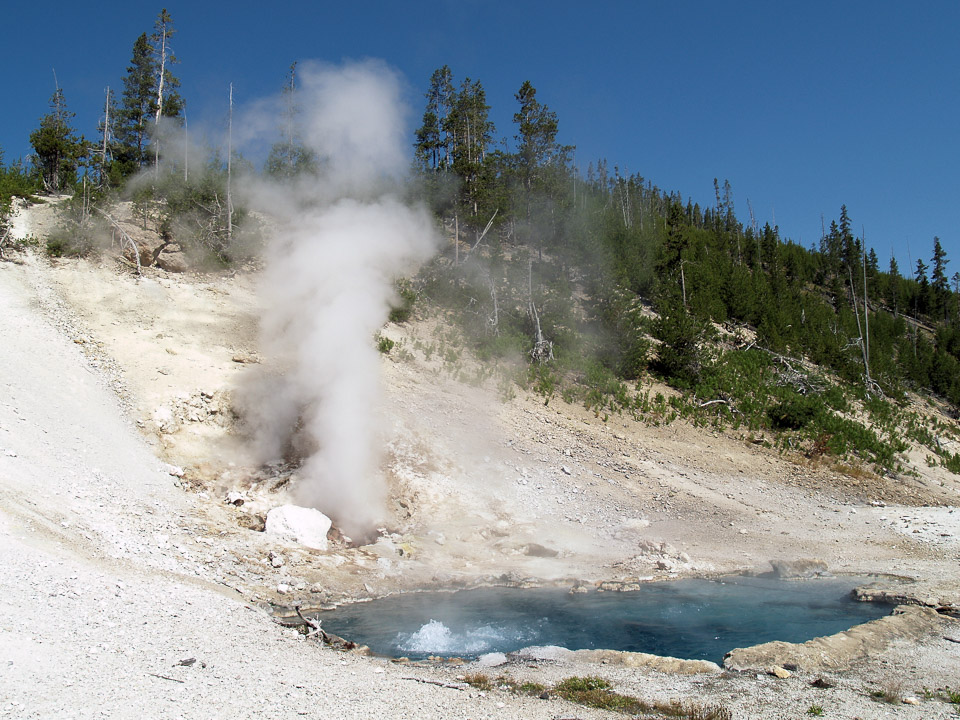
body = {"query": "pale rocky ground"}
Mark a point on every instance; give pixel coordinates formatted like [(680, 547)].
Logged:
[(116, 570)]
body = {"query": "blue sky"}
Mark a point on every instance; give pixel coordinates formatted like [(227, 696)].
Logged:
[(802, 106)]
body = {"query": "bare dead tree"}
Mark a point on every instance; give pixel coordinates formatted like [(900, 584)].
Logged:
[(124, 238), (542, 350), (313, 625), (186, 149), (229, 172), (105, 140), (866, 305), (871, 386), (161, 77), (494, 320), (683, 283), (482, 235)]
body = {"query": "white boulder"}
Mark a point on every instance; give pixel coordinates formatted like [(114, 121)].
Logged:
[(305, 526)]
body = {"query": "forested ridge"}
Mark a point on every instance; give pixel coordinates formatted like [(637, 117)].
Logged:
[(599, 280)]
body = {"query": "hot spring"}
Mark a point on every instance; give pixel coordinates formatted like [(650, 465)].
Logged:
[(690, 619)]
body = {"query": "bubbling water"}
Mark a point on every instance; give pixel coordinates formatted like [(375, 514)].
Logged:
[(435, 638), (693, 619)]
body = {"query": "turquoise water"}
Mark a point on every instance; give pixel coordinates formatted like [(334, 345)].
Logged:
[(693, 619)]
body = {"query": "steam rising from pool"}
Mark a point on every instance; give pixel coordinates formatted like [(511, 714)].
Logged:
[(345, 230)]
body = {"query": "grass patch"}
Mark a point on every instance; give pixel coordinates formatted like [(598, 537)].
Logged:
[(595, 692), (890, 692), (479, 681), (530, 688)]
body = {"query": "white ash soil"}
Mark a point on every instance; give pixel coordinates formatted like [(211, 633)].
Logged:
[(116, 570)]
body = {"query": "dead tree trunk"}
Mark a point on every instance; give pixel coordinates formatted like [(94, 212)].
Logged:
[(683, 285), (124, 237), (494, 320), (866, 305), (863, 346), (186, 149), (105, 143), (542, 351), (229, 172), (482, 235), (162, 52)]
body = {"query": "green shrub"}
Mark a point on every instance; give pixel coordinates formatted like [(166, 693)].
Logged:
[(793, 413), (544, 381), (406, 297), (384, 344), (952, 463)]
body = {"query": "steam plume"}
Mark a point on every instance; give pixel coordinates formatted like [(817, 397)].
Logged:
[(342, 236)]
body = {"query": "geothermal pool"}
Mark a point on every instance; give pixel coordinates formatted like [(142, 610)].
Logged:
[(692, 619)]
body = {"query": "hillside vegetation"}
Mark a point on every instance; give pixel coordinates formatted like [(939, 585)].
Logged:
[(601, 281)]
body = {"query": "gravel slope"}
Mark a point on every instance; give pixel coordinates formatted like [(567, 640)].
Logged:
[(97, 611)]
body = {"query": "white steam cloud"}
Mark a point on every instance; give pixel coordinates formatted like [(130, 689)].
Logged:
[(342, 236)]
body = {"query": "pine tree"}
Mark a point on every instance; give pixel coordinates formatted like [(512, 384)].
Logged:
[(58, 150), (939, 285), (434, 146), (472, 133), (922, 299), (137, 108), (849, 245), (671, 258), (149, 94), (893, 286), (537, 145)]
